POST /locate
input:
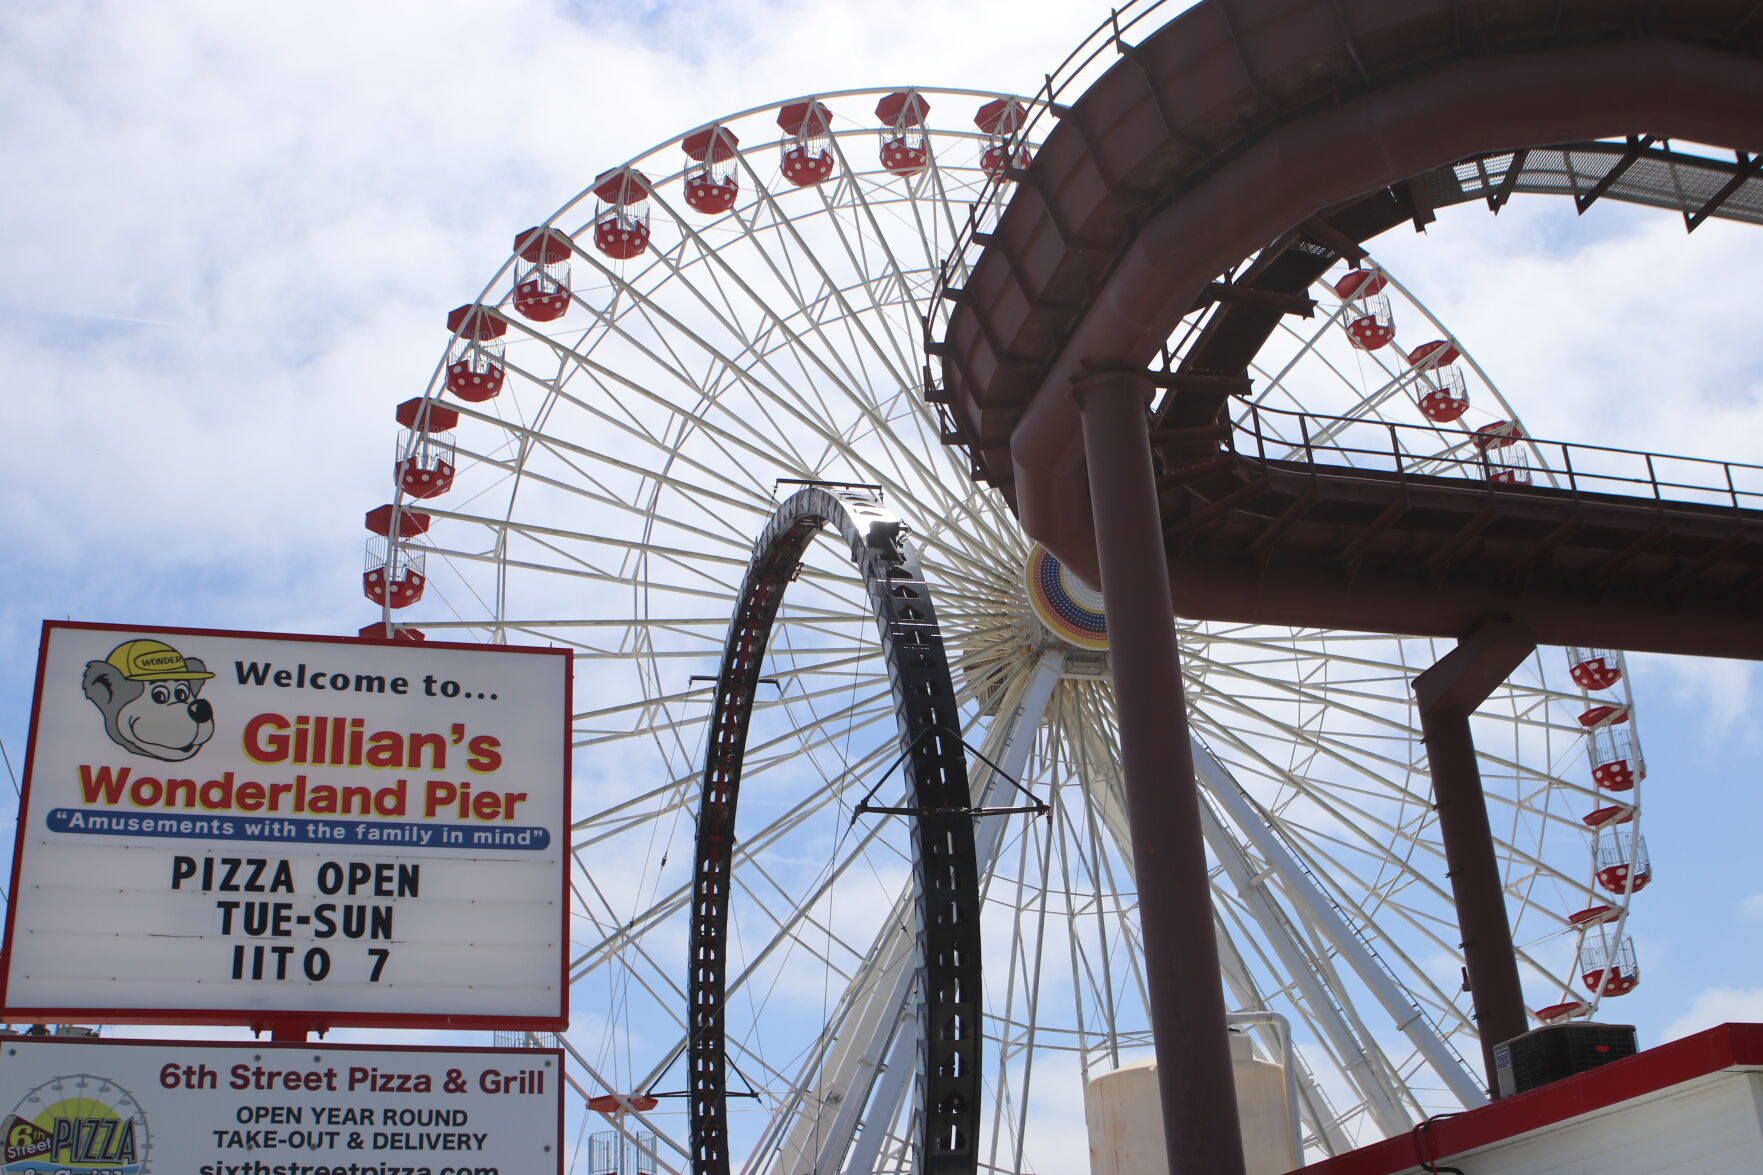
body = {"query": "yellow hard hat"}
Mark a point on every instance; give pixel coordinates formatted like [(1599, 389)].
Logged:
[(149, 660)]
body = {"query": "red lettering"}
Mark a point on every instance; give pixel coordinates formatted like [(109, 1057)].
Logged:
[(104, 784), (266, 748), (437, 795), (486, 753)]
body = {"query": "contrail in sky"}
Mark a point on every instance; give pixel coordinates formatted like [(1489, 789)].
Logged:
[(86, 314)]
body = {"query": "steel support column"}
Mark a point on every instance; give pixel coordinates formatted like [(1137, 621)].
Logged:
[(1163, 804), (1448, 694)]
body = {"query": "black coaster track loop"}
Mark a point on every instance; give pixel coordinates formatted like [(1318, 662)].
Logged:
[(936, 771)]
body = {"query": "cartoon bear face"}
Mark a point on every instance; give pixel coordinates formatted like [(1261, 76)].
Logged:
[(156, 713)]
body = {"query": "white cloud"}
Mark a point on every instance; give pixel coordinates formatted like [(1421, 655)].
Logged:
[(1717, 1005), (1724, 693), (1752, 907)]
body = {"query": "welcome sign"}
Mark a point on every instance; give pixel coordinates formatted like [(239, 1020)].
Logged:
[(223, 827)]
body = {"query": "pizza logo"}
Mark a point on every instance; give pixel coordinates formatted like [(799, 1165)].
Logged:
[(75, 1125)]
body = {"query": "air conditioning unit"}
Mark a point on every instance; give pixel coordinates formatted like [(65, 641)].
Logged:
[(1554, 1051)]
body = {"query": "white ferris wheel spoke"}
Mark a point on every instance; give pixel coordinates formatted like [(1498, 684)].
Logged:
[(608, 500)]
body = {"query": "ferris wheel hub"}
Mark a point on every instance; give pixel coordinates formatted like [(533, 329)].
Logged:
[(1069, 609)]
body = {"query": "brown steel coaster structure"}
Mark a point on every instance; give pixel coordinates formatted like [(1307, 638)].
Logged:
[(1289, 132)]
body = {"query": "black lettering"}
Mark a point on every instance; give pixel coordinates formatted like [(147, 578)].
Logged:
[(256, 673)]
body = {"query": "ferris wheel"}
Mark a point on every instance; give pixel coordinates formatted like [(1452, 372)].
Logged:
[(738, 313)]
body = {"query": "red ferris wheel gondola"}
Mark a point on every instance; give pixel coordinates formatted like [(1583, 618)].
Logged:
[(1504, 460), (541, 273), (1607, 963), (807, 153), (905, 148), (1372, 326), (621, 213), (1000, 119), (474, 356), (712, 186), (425, 465), (1594, 668), (1361, 283), (612, 1103), (394, 573), (1444, 396)]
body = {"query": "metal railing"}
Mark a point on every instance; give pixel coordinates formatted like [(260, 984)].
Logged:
[(1051, 99), (1413, 450)]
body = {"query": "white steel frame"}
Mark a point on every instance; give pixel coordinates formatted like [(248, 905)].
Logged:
[(607, 501)]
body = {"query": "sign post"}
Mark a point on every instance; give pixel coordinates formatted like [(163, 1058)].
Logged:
[(292, 833)]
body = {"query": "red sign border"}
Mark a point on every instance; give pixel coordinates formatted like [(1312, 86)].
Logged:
[(294, 1021), (89, 1041)]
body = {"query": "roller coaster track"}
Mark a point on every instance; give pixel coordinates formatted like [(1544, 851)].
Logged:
[(936, 773)]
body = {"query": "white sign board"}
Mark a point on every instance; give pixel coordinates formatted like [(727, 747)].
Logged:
[(128, 1107), (239, 827)]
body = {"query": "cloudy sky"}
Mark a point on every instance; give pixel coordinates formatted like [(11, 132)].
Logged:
[(232, 231)]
